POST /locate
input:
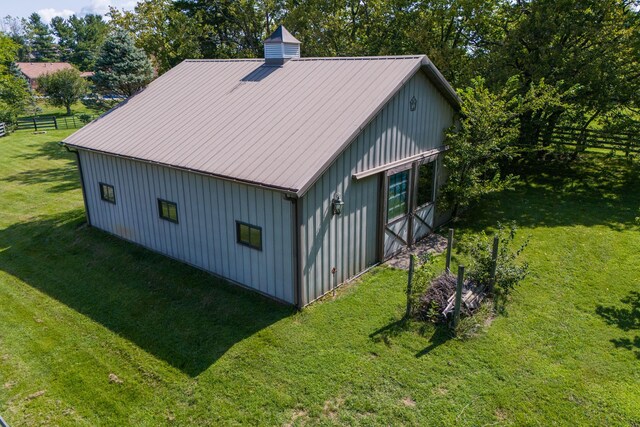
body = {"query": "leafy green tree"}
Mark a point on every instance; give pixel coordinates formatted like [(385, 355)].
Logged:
[(587, 50), (14, 93), (482, 139), (15, 28), (40, 40), (122, 68), (63, 88), (167, 35), (80, 39)]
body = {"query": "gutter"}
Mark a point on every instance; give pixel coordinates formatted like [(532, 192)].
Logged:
[(82, 185)]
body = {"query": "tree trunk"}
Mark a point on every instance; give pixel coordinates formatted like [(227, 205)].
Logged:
[(68, 109)]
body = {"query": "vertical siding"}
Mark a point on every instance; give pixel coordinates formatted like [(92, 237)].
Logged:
[(207, 212), (349, 242)]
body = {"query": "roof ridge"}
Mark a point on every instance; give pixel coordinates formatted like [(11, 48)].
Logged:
[(312, 58)]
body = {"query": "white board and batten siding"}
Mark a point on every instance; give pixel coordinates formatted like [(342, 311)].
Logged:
[(208, 208), (349, 242)]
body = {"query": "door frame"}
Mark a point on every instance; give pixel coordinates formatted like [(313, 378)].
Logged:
[(412, 198)]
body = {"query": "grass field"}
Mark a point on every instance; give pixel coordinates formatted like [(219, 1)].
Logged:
[(96, 331)]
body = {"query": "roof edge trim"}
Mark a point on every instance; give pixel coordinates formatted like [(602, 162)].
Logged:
[(291, 192)]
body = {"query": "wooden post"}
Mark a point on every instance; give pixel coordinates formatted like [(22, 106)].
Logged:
[(458, 301), (449, 247), (409, 287), (494, 262), (35, 124), (55, 122)]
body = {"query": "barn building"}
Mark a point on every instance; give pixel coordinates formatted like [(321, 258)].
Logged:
[(285, 175)]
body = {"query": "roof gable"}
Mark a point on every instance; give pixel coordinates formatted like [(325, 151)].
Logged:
[(274, 126)]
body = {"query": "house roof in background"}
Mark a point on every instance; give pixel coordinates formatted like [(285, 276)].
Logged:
[(279, 127), (33, 70)]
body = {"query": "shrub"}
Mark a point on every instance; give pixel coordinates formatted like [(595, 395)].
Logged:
[(509, 273), (85, 118)]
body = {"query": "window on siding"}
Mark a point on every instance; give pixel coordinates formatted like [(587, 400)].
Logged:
[(249, 235), (107, 193), (168, 210), (426, 180), (397, 195)]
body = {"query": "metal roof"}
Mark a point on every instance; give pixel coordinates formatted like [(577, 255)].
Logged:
[(281, 35), (278, 127)]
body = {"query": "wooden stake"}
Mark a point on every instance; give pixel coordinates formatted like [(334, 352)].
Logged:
[(456, 307), (494, 262), (449, 247), (409, 287)]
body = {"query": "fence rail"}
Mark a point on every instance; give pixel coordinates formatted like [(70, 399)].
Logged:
[(3, 129), (583, 139), (50, 122)]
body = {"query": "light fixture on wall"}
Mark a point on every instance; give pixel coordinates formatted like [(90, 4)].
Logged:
[(337, 203)]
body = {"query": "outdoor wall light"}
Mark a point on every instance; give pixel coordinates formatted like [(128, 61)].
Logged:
[(337, 204)]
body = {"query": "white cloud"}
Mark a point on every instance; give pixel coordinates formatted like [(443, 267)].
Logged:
[(101, 7), (48, 14)]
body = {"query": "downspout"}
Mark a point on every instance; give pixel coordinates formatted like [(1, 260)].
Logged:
[(84, 192), (297, 246)]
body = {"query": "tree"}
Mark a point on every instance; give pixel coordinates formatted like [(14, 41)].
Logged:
[(14, 93), (589, 51), (80, 39), (63, 88), (164, 33), (121, 68), (484, 136), (40, 39)]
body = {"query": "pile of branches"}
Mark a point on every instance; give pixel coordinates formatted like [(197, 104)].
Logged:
[(432, 303)]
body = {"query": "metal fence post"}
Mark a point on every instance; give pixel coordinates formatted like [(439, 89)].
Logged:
[(458, 301), (494, 262), (449, 246)]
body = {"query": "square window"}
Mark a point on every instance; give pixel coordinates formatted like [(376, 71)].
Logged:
[(249, 235), (107, 193), (168, 210)]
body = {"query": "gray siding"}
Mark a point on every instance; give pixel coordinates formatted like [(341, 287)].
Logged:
[(208, 208), (349, 242)]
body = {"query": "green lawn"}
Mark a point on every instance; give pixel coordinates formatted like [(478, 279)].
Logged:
[(96, 331)]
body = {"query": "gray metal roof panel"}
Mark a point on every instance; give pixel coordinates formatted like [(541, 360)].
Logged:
[(239, 119)]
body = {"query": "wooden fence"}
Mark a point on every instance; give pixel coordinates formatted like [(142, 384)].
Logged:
[(582, 139), (50, 123), (3, 129)]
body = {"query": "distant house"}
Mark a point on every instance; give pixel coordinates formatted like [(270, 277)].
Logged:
[(33, 70), (286, 175)]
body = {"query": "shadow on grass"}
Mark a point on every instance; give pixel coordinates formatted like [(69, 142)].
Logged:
[(441, 333), (177, 313), (61, 179), (589, 192), (626, 318)]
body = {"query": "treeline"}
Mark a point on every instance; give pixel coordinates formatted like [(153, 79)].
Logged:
[(522, 67)]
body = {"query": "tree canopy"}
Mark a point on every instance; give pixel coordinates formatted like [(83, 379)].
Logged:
[(121, 68)]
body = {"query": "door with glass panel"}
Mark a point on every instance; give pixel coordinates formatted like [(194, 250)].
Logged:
[(397, 200), (425, 191)]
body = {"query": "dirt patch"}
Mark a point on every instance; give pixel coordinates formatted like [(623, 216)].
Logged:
[(35, 395), (9, 384), (298, 414), (432, 244), (408, 402), (331, 408)]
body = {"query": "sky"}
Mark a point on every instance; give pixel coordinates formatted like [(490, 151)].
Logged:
[(65, 8)]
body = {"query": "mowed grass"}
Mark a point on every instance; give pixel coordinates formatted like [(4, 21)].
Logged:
[(96, 331)]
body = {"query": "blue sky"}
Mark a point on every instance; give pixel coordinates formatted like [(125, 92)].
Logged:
[(65, 8)]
